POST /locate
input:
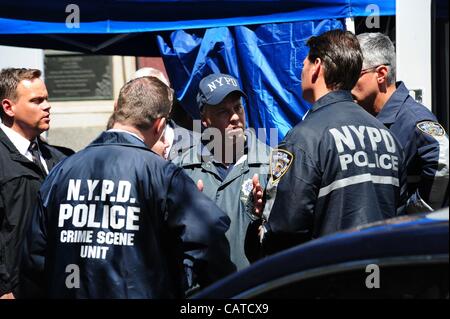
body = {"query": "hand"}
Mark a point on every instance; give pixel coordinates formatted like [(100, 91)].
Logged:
[(8, 296), (200, 185), (258, 196)]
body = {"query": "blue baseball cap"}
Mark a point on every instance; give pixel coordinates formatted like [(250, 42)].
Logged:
[(214, 88)]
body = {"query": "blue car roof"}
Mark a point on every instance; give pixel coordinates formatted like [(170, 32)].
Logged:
[(405, 236)]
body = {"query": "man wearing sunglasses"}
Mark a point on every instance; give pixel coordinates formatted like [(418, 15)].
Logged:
[(424, 140)]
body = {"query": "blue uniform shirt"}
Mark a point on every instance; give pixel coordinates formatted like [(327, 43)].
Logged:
[(231, 189), (425, 144)]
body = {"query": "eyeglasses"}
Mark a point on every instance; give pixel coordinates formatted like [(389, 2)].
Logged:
[(364, 71)]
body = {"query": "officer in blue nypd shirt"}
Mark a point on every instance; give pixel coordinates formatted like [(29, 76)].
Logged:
[(340, 167), (423, 139), (228, 159)]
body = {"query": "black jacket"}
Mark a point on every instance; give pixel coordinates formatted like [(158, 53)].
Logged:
[(339, 168), (20, 180), (129, 222)]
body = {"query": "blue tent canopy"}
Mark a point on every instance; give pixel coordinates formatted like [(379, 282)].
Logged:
[(129, 16), (128, 27)]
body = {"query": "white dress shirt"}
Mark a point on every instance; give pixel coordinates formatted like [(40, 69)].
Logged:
[(22, 144)]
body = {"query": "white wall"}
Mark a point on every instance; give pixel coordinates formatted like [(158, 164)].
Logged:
[(413, 44), (16, 57)]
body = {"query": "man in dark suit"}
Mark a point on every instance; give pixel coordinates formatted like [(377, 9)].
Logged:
[(25, 161)]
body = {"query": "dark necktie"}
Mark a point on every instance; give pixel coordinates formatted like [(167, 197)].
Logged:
[(35, 156)]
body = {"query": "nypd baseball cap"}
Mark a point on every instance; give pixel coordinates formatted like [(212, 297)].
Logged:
[(214, 88)]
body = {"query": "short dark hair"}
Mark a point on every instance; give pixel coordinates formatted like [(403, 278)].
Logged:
[(10, 79), (341, 56), (141, 101)]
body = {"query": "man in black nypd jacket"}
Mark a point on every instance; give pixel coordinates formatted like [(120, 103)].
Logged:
[(25, 160), (340, 167), (118, 221), (423, 139)]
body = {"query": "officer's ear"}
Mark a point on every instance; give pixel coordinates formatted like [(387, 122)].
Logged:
[(158, 126), (154, 132), (317, 67), (382, 73), (8, 107)]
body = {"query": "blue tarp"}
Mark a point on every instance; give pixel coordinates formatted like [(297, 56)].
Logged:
[(267, 60)]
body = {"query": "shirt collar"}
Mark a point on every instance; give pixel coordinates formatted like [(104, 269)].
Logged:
[(304, 116), (118, 130), (21, 143), (331, 98), (390, 110)]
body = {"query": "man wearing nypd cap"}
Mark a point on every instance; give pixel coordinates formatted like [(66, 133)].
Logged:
[(230, 158), (423, 139), (339, 168)]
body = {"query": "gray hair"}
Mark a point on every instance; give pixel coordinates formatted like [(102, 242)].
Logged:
[(377, 50)]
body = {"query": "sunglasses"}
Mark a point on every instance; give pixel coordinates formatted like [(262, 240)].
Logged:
[(371, 69)]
